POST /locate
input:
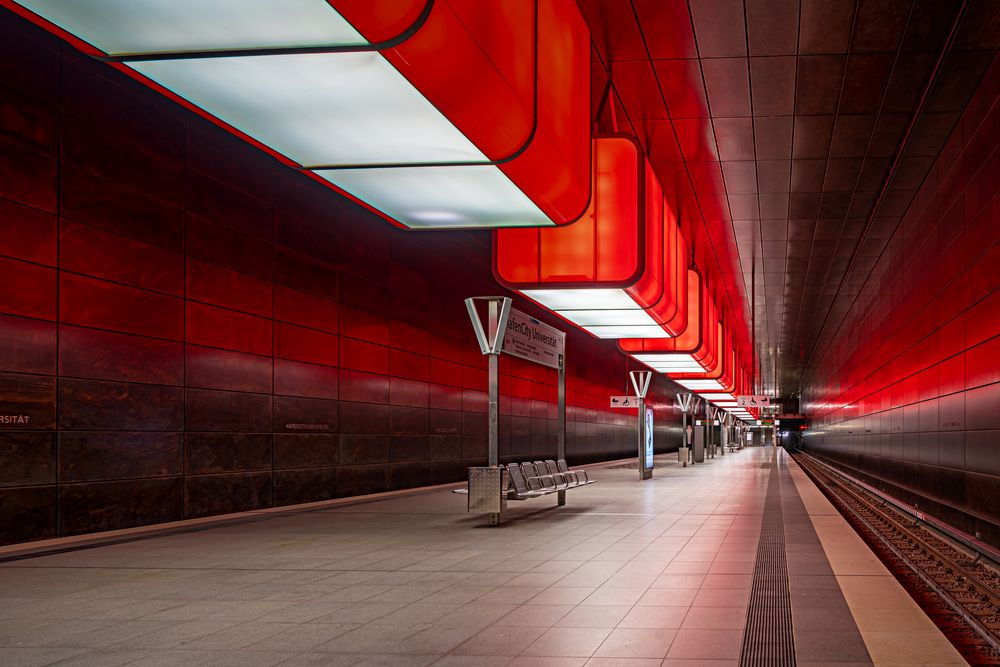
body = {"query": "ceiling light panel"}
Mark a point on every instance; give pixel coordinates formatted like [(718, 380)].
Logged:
[(155, 26)]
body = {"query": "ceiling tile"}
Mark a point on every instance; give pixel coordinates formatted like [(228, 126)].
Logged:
[(683, 88), (929, 25), (636, 85), (741, 177), (879, 25), (842, 174), (851, 135), (613, 29), (667, 27), (812, 136), (735, 138), (673, 177), (865, 81), (696, 140), (773, 137), (801, 229), (744, 207), (773, 175), (707, 177), (718, 27), (803, 204), (772, 26), (773, 206), (825, 26), (908, 81), (873, 173), (728, 84), (773, 85), (807, 175), (887, 135), (818, 86), (773, 230)]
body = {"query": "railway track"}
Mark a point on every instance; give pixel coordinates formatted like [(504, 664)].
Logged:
[(958, 589)]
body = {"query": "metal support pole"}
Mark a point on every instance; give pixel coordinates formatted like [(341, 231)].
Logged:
[(494, 399), (641, 458), (561, 422), (709, 446), (684, 439)]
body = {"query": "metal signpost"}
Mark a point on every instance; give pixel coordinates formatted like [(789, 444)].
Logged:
[(510, 331), (640, 383), (684, 402), (712, 413)]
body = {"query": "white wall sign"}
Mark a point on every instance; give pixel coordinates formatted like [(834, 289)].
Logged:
[(530, 339), (752, 401), (624, 401)]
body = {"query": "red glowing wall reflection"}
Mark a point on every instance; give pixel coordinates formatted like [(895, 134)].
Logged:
[(191, 328), (908, 392)]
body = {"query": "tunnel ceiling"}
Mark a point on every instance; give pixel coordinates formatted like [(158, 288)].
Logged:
[(792, 134)]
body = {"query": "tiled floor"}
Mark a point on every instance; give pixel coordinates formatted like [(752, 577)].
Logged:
[(628, 573)]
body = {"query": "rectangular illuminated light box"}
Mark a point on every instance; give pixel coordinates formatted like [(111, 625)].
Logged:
[(302, 79), (717, 396), (700, 385), (618, 271)]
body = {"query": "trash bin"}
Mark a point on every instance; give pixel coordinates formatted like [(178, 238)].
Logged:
[(683, 455)]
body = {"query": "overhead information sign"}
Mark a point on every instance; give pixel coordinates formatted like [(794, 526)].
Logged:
[(624, 401), (533, 340), (753, 401)]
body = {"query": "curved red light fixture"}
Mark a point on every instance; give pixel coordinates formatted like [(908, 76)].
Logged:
[(616, 272), (433, 113), (693, 350)]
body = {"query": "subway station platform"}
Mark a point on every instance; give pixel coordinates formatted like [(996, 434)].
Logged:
[(739, 555)]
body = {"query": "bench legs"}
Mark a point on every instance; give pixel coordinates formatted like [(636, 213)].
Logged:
[(562, 498)]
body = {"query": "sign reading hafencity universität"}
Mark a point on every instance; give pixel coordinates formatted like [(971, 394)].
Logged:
[(530, 339)]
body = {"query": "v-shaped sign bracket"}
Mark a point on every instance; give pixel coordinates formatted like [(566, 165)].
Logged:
[(490, 337)]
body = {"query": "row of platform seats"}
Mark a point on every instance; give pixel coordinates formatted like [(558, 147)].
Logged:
[(539, 478)]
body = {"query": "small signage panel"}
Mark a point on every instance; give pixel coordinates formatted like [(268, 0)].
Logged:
[(752, 401), (533, 340), (624, 401), (649, 438)]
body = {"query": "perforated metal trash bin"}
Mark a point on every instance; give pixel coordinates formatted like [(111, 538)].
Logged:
[(488, 489), (683, 455)]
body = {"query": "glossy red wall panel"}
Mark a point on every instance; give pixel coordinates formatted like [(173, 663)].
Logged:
[(220, 334), (917, 402)]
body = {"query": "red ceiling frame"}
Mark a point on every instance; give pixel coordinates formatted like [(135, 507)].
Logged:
[(696, 340), (626, 240), (521, 96)]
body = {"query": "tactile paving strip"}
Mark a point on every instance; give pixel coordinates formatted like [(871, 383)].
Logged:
[(768, 639)]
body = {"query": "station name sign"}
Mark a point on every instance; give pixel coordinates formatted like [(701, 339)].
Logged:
[(530, 339)]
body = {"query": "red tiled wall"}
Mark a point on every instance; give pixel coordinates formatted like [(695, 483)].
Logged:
[(173, 304), (908, 393)]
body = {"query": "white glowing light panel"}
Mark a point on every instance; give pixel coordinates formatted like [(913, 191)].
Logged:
[(319, 109), (670, 363), (440, 197), (154, 26), (700, 385), (606, 313), (330, 109), (717, 396)]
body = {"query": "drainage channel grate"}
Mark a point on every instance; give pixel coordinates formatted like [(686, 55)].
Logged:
[(767, 640)]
